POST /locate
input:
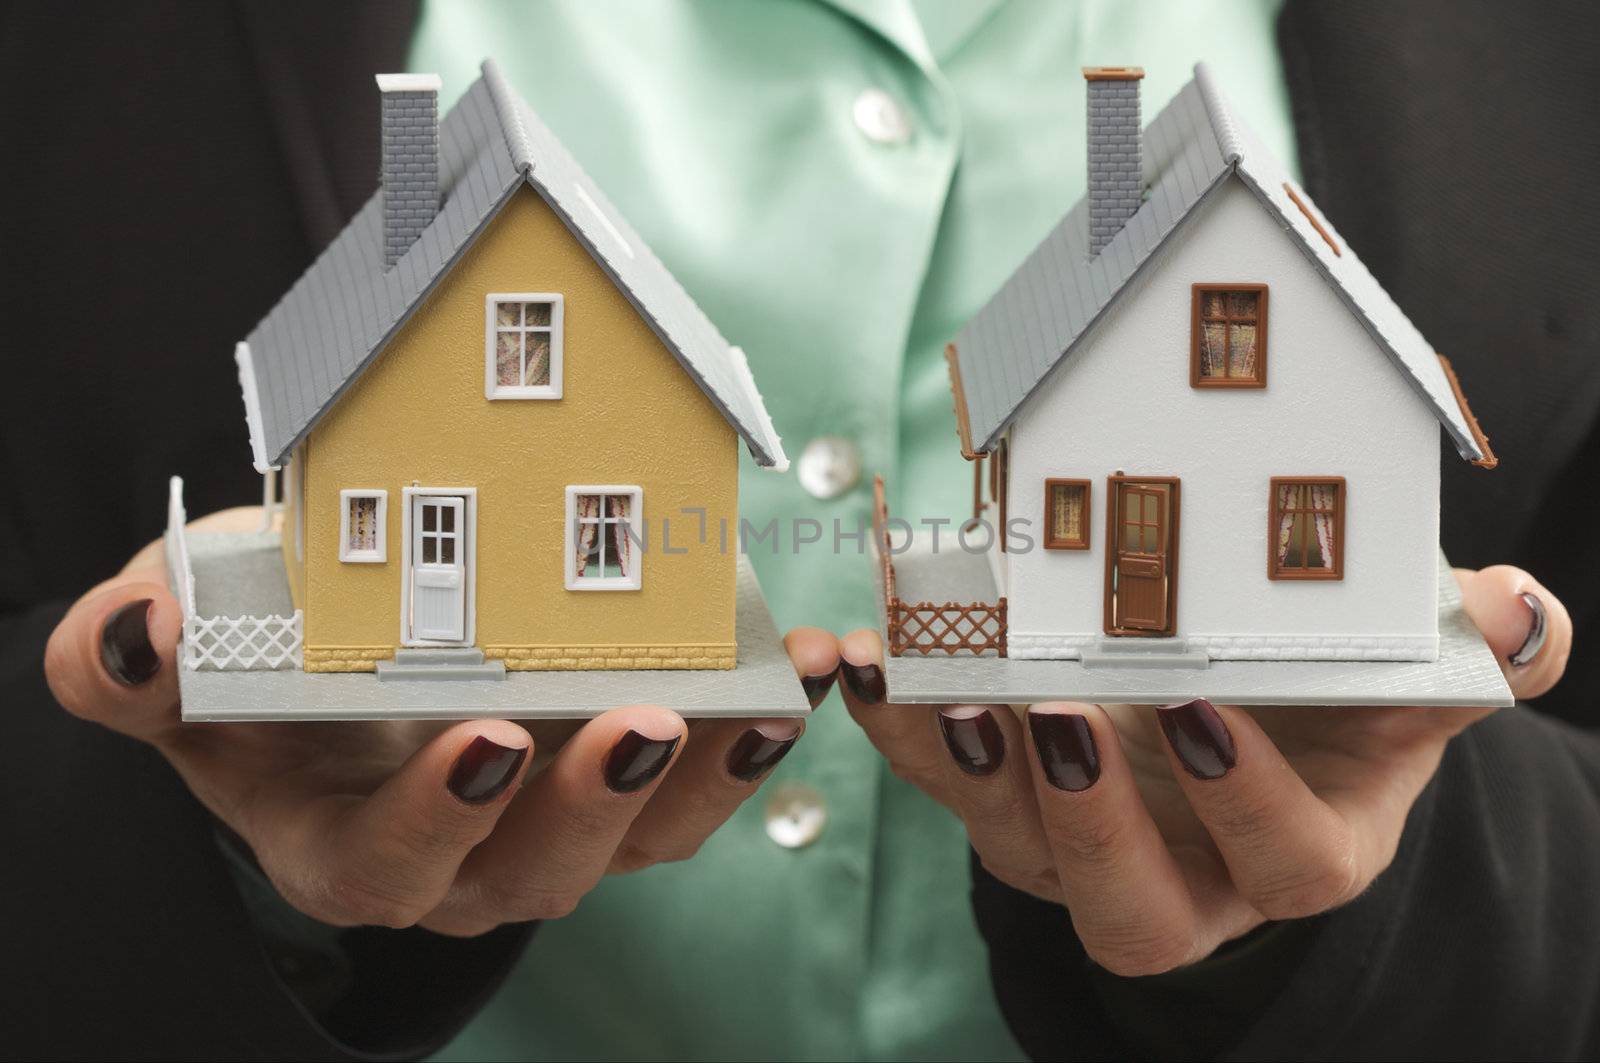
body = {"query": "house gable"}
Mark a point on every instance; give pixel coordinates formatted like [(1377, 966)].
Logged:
[(1037, 320), (628, 414), (327, 329), (1331, 409)]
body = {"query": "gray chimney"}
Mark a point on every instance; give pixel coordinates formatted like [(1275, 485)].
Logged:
[(410, 167), (1115, 178)]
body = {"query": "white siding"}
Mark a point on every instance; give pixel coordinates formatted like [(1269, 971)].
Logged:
[(1334, 405)]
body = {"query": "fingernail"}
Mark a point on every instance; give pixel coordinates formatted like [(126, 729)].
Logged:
[(484, 769), (817, 686), (1199, 737), (755, 753), (125, 648), (1066, 749), (635, 760), (865, 682), (973, 737), (1536, 628)]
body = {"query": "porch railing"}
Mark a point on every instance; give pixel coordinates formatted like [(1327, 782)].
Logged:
[(224, 643), (970, 628)]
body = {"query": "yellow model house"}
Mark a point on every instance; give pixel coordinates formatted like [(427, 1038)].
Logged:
[(503, 426)]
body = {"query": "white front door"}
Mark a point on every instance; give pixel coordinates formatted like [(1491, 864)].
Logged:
[(438, 568)]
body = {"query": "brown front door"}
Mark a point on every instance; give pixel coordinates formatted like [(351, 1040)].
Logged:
[(1141, 555)]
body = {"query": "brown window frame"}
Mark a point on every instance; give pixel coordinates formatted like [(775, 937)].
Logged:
[(1196, 331), (1082, 541), (1340, 494)]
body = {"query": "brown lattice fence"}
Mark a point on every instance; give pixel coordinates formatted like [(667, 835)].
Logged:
[(950, 628)]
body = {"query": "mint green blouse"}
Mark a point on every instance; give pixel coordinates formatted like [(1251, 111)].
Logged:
[(840, 185)]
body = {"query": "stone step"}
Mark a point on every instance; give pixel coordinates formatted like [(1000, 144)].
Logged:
[(438, 655), (1137, 644), (439, 664), (1144, 653)]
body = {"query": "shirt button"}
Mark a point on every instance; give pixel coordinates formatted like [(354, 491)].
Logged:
[(880, 118), (829, 466), (796, 815)]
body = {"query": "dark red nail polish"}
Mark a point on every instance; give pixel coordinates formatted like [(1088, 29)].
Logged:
[(1199, 737), (635, 760), (817, 686), (1066, 749), (125, 648), (1537, 625), (864, 681), (754, 754), (484, 769), (974, 740)]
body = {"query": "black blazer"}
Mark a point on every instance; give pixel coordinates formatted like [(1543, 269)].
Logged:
[(1454, 144)]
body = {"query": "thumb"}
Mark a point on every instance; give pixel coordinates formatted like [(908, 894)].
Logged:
[(113, 658), (1525, 625)]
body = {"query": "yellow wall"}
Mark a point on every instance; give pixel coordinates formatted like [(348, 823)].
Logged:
[(629, 415)]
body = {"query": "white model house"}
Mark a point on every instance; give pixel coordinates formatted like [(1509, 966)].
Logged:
[(1207, 424)]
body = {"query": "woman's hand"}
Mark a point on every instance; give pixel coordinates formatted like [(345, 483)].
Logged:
[(1167, 832), (416, 823)]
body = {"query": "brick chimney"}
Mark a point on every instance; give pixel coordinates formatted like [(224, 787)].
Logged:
[(410, 167), (1115, 177)]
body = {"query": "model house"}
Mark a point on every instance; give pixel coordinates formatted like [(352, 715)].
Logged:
[(1209, 431), (488, 397)]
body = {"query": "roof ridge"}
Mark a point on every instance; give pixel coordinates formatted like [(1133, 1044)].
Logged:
[(1221, 115), (505, 108)]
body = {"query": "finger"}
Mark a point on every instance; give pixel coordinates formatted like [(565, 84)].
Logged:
[(906, 735), (815, 654), (1525, 625), (556, 841), (113, 659), (723, 762), (1135, 908), (388, 859), (1289, 853), (991, 785)]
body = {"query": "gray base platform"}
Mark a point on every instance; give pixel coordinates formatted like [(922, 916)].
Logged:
[(1465, 674), (763, 683)]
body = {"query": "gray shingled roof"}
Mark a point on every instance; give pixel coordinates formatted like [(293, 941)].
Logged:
[(339, 315), (1046, 307)]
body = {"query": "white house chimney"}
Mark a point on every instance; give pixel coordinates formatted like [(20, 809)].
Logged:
[(1115, 178), (410, 167)]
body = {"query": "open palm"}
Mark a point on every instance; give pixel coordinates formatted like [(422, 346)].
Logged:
[(1167, 832), (447, 826)]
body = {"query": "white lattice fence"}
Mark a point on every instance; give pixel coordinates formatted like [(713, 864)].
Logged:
[(241, 643), (224, 643)]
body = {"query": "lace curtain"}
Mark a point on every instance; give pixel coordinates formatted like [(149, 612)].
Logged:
[(363, 524), (617, 507), (1305, 520), (588, 530), (1066, 512), (602, 538)]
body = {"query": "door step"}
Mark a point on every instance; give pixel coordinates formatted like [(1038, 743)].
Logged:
[(1133, 652), (441, 663)]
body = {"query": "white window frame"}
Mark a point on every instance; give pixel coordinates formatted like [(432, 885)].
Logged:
[(380, 553), (630, 582), (492, 389)]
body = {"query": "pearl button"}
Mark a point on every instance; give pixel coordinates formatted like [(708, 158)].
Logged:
[(796, 815), (829, 466), (880, 118)]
